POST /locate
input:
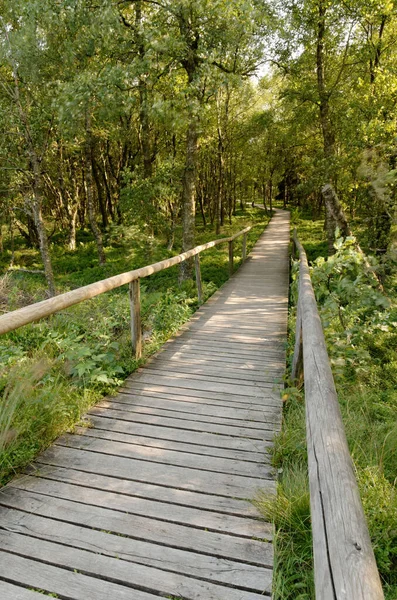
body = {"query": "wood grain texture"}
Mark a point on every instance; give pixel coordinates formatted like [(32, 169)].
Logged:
[(344, 561), (152, 498)]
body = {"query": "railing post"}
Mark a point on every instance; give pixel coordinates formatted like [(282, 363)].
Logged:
[(230, 258), (244, 247), (198, 280), (135, 311), (297, 360)]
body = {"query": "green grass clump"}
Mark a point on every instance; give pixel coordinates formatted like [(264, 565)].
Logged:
[(53, 370)]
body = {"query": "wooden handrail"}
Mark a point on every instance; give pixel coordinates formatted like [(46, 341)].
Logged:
[(17, 318), (344, 562)]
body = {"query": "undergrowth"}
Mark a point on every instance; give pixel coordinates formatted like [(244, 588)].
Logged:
[(360, 326), (52, 371)]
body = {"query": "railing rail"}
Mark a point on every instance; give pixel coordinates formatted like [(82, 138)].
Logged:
[(17, 318), (344, 562)]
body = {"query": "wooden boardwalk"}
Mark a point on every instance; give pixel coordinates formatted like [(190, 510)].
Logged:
[(153, 499)]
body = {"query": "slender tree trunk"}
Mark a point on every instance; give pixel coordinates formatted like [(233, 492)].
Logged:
[(145, 135), (36, 204), (101, 201), (264, 198), (189, 196), (325, 120), (89, 185)]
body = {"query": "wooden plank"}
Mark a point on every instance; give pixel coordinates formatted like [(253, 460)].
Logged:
[(210, 371), (68, 584), (168, 457), (141, 528), (196, 382), (259, 414), (219, 570), (145, 398), (258, 457), (197, 357), (155, 509), (270, 398), (199, 439), (189, 425), (8, 591), (228, 348), (266, 419), (173, 476), (139, 489), (205, 381), (243, 340)]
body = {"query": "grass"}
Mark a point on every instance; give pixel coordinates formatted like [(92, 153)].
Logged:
[(360, 330), (52, 371)]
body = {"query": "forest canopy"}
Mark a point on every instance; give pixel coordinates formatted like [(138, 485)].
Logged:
[(145, 112)]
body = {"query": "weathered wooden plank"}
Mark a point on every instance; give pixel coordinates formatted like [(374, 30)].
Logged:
[(229, 347), (241, 339), (196, 382), (155, 509), (210, 371), (223, 384), (199, 439), (142, 528), (270, 398), (258, 457), (189, 425), (192, 407), (68, 584), (251, 423), (218, 570), (139, 489), (137, 470), (194, 356), (168, 457), (8, 591)]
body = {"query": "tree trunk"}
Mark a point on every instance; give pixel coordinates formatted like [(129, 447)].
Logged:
[(189, 196), (264, 199), (101, 201), (144, 121), (325, 120), (36, 204), (89, 186)]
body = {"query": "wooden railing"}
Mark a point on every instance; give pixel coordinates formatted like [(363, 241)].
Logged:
[(17, 318), (344, 562)]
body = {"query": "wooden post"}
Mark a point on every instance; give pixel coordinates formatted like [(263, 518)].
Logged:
[(297, 360), (244, 247), (135, 311), (198, 280), (230, 258)]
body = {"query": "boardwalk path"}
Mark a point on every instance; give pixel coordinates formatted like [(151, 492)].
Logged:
[(150, 502)]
